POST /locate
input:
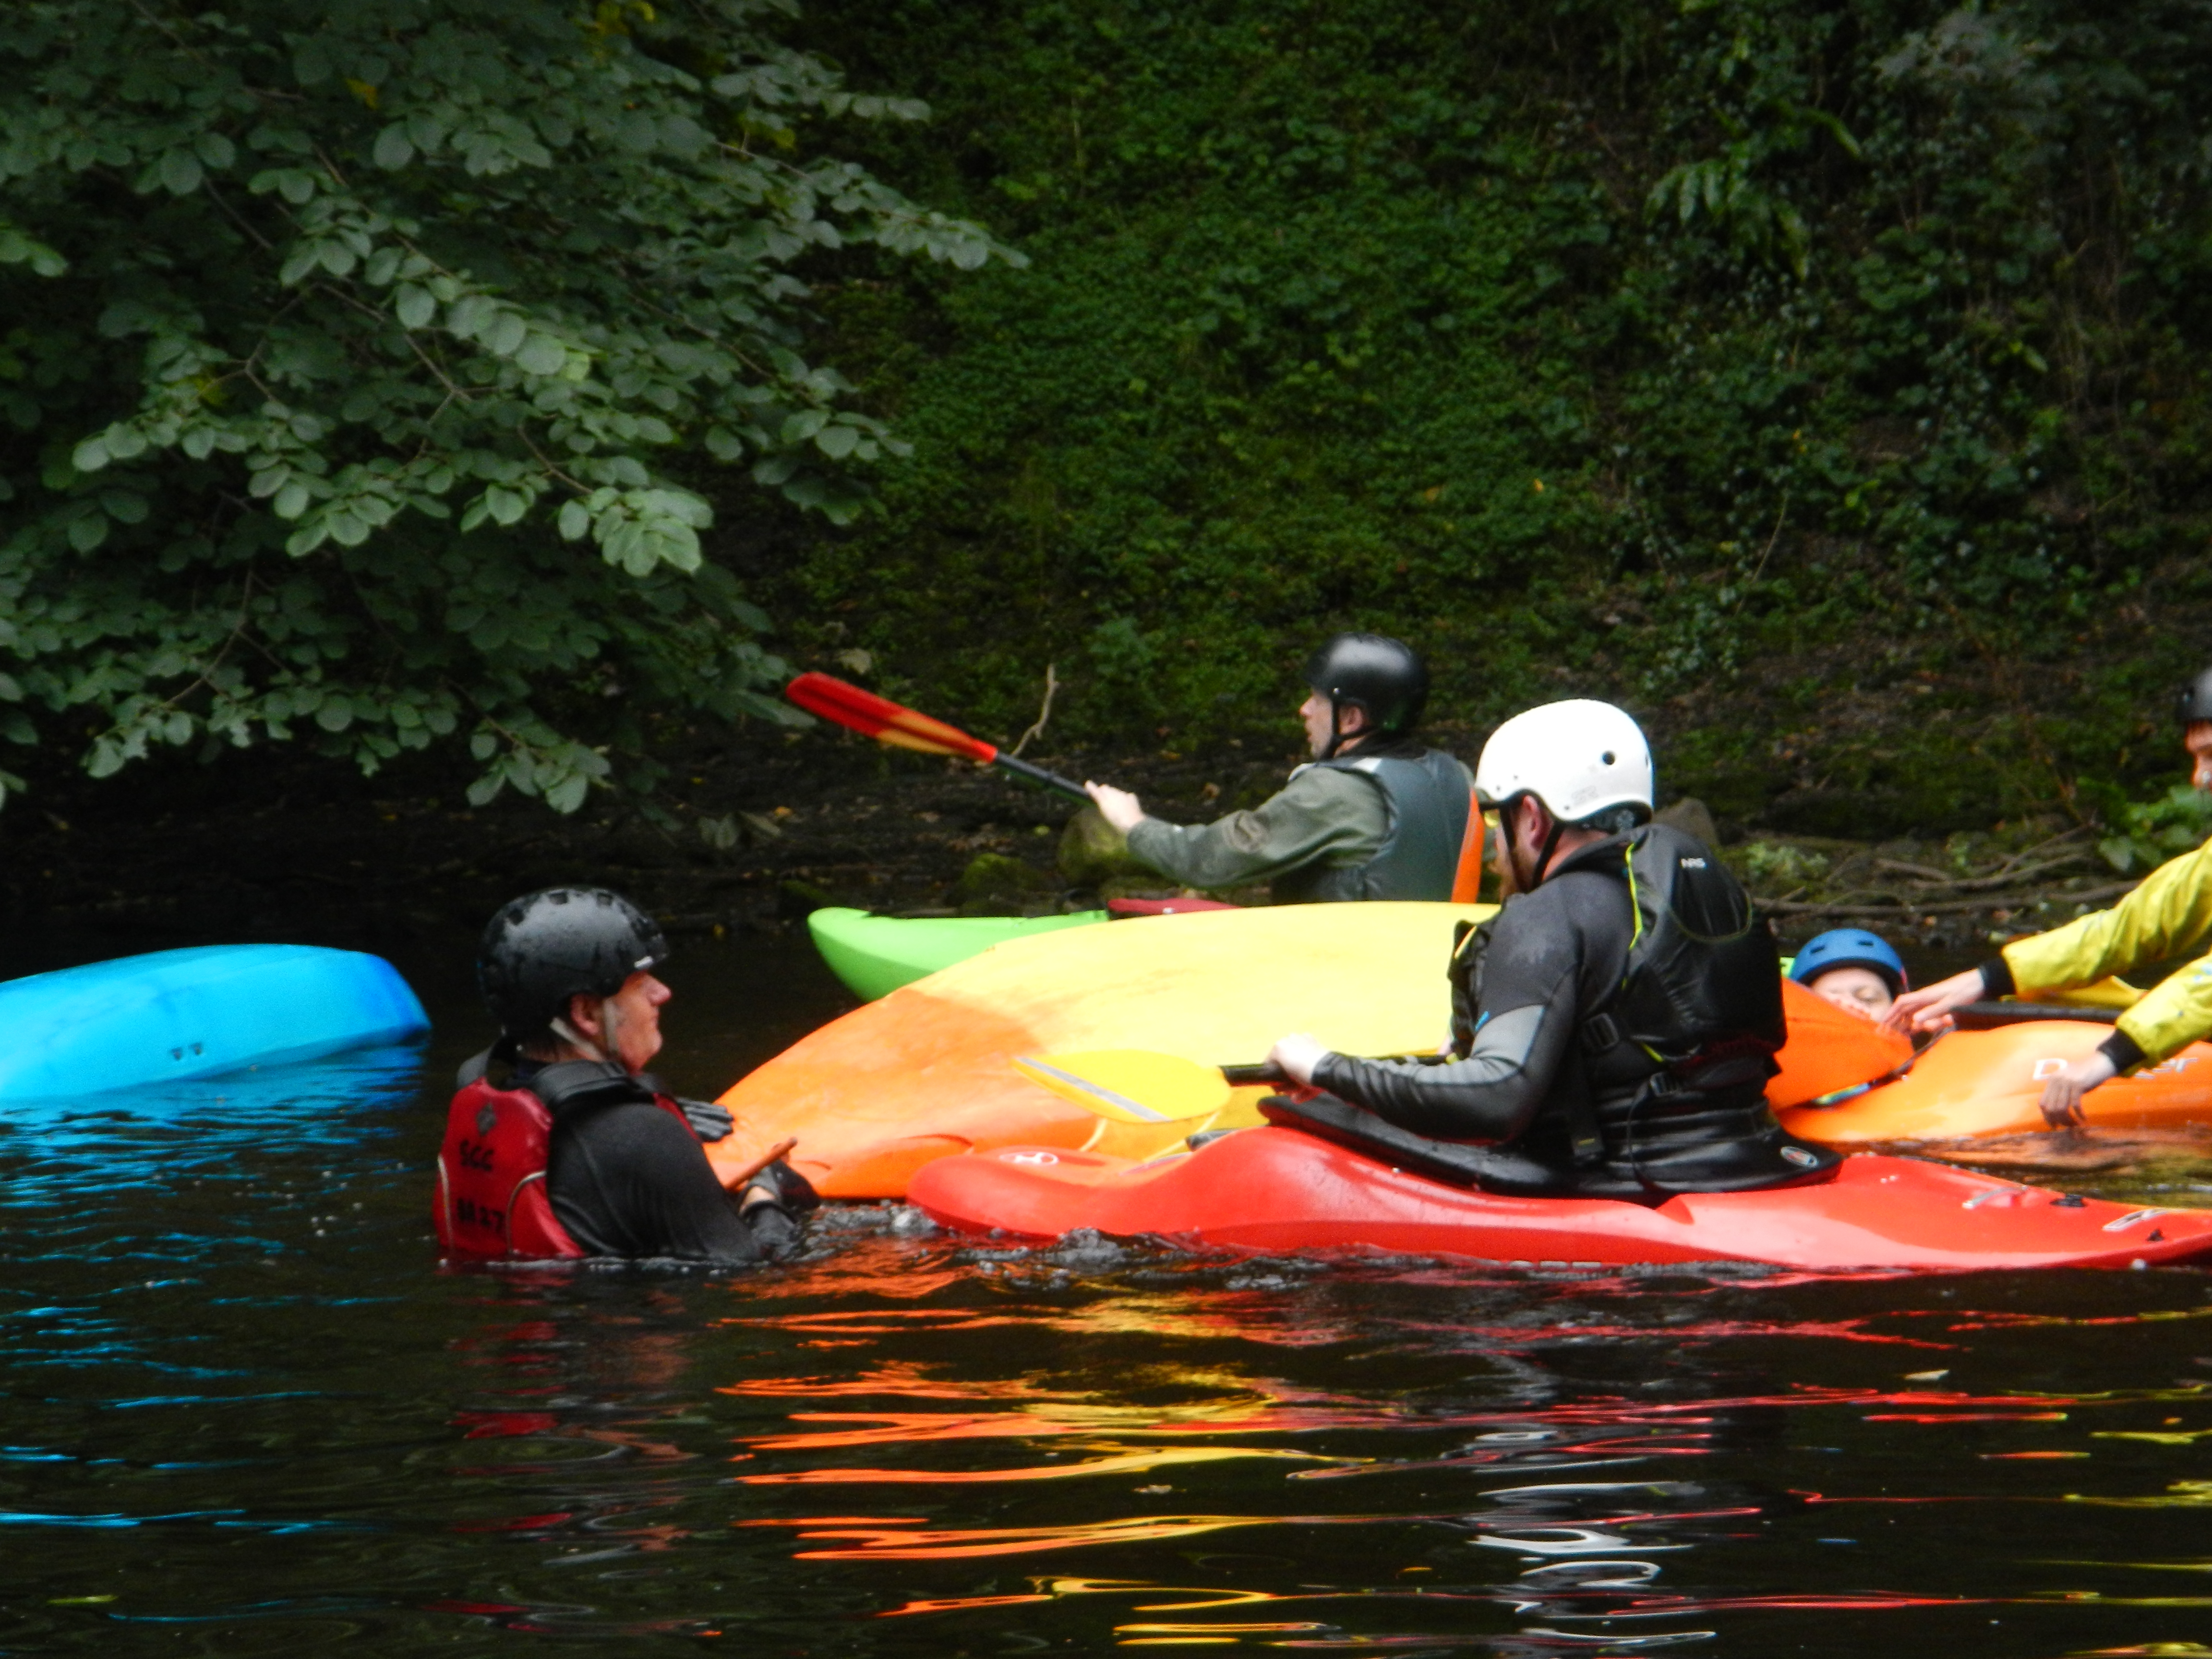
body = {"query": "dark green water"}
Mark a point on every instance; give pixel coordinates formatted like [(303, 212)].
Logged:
[(246, 1414)]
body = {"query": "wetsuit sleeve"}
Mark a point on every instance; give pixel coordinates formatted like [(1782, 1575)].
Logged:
[(1530, 999), (630, 1179), (1322, 815), (2170, 914)]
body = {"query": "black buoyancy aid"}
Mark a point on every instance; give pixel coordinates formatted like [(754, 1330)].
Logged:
[(1426, 800), (492, 1199), (1703, 982), (1699, 998)]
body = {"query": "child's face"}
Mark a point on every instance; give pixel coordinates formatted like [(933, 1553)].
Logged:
[(1862, 990)]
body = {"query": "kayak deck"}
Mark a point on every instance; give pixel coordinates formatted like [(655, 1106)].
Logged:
[(876, 955), (929, 1071), (1990, 1083), (1274, 1190)]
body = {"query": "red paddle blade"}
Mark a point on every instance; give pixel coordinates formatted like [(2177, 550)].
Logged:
[(886, 721)]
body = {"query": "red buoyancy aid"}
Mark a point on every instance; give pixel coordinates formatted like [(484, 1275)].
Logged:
[(492, 1200)]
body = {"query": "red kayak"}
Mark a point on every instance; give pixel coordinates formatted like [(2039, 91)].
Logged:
[(1277, 1190)]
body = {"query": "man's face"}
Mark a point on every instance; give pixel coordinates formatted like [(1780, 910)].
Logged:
[(1862, 990), (1315, 712), (634, 1014), (2198, 738)]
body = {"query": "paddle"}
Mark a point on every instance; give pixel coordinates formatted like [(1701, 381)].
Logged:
[(1981, 1016), (1135, 1085), (901, 727), (1130, 1086)]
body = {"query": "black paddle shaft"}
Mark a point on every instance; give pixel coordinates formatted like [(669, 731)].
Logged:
[(1981, 1016), (1037, 775), (1267, 1071)]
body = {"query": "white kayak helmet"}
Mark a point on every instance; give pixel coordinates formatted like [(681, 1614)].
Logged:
[(1578, 757)]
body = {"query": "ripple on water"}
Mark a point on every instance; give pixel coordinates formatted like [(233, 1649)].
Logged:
[(245, 1411)]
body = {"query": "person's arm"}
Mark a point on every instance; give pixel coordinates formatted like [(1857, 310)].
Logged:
[(1530, 996), (2172, 1014), (2170, 914), (1322, 815), (633, 1180)]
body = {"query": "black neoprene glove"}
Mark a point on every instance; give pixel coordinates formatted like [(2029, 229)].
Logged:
[(708, 1121)]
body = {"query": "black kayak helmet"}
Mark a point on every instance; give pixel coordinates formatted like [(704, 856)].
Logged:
[(1384, 678), (2196, 700), (546, 947)]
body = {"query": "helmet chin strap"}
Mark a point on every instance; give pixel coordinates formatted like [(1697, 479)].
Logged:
[(609, 1019), (1551, 844), (1336, 729)]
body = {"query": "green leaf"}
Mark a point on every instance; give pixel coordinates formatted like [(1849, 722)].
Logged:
[(180, 172), (541, 354), (504, 334), (414, 305), (88, 533), (575, 520), (394, 149), (568, 793)]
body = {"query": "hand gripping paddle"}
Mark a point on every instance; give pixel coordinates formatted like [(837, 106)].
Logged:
[(901, 727)]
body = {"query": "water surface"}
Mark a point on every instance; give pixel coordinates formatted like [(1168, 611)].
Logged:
[(246, 1414)]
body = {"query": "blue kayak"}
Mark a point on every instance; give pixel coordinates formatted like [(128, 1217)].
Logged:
[(200, 1012)]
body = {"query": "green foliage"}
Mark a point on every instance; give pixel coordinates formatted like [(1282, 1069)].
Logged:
[(1602, 346), (366, 368), (1778, 864), (2146, 834)]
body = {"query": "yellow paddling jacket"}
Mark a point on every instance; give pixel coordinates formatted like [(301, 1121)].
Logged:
[(2169, 915)]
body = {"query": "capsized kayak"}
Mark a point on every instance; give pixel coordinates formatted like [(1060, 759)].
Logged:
[(198, 1012), (1990, 1083), (928, 1070), (1277, 1190), (875, 955)]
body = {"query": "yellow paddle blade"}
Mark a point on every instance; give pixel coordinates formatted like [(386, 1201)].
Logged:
[(1130, 1086)]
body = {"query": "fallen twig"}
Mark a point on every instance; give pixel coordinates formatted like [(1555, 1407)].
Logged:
[(1891, 906)]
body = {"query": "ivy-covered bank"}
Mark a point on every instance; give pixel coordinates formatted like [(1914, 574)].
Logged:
[(1820, 378)]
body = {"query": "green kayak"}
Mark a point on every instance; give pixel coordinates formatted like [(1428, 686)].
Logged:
[(875, 955)]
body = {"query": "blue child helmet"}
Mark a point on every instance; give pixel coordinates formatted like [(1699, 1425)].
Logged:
[(1850, 947)]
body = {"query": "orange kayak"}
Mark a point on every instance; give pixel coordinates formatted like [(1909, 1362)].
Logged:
[(1989, 1083), (927, 1071)]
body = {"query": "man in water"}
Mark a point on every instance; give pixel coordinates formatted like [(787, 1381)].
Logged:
[(568, 973), (1613, 1026), (2169, 915), (1374, 816), (1852, 968)]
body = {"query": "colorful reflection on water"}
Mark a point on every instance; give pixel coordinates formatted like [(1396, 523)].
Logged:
[(245, 1414)]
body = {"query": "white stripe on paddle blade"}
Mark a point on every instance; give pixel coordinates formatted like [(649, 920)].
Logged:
[(1130, 1086)]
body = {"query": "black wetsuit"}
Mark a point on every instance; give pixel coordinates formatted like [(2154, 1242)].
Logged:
[(1567, 1104), (628, 1178)]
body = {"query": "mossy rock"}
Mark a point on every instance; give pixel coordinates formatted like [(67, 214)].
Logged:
[(1092, 853), (994, 875), (1693, 817)]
